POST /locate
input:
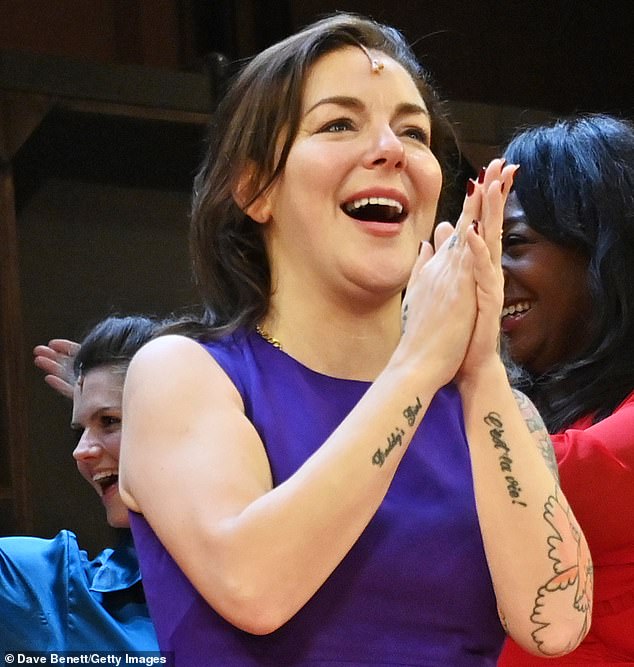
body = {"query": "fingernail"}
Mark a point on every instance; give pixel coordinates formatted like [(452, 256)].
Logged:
[(483, 171), (470, 187), (476, 226), (515, 171)]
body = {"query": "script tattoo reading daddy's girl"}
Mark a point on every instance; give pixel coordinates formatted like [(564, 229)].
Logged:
[(396, 437)]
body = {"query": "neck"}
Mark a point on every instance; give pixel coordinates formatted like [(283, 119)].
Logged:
[(335, 341)]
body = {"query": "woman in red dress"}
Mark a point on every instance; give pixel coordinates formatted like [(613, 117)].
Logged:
[(568, 322)]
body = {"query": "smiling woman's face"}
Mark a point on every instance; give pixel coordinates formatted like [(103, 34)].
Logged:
[(547, 303), (97, 422), (361, 185)]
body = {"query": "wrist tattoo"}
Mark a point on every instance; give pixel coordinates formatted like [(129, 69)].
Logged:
[(395, 438)]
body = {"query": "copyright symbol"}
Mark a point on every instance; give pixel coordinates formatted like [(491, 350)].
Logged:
[(9, 658)]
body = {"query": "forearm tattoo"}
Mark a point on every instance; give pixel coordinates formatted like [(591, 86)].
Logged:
[(395, 438), (494, 420), (538, 430), (571, 583)]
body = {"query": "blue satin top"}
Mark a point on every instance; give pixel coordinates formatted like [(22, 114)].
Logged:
[(53, 598)]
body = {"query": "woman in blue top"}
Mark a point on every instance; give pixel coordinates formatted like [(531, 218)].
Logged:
[(52, 597), (336, 477)]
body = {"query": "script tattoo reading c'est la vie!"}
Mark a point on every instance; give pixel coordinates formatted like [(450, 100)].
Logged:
[(396, 437), (506, 462)]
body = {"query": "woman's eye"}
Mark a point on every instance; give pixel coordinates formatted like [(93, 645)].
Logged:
[(514, 245), (108, 421), (509, 240), (418, 134), (339, 125)]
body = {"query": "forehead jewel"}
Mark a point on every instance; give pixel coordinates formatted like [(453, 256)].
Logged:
[(376, 64)]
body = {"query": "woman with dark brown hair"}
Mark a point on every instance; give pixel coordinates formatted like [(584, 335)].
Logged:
[(335, 476)]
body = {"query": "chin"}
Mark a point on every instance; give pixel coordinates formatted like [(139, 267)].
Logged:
[(117, 517), (518, 353), (119, 522), (388, 282)]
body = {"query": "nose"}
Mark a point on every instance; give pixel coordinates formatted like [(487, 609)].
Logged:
[(386, 150), (87, 448)]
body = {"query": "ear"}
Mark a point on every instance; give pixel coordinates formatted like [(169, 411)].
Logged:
[(260, 208)]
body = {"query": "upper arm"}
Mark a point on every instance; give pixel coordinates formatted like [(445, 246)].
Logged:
[(190, 459), (538, 431)]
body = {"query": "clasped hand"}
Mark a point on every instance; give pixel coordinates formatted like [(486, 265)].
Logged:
[(454, 298)]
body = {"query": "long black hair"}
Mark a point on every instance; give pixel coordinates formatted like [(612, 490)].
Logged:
[(576, 186)]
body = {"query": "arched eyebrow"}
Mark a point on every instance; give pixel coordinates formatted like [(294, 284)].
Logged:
[(410, 109), (403, 109)]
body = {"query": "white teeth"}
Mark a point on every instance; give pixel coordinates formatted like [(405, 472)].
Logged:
[(103, 475), (380, 201), (520, 307)]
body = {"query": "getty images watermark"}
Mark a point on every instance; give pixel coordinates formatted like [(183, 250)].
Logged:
[(116, 659)]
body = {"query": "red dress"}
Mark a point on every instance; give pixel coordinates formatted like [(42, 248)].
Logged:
[(596, 466)]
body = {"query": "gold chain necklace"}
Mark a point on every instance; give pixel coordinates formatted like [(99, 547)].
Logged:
[(268, 338)]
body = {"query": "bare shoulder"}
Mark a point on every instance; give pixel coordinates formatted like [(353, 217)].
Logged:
[(538, 430), (176, 367), (166, 348), (175, 395)]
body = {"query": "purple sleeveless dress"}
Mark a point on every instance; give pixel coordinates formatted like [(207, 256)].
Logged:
[(415, 588)]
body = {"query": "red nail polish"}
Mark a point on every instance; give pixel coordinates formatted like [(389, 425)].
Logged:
[(476, 226), (470, 187), (483, 171)]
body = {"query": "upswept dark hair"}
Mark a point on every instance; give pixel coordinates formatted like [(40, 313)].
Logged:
[(113, 342), (261, 105), (576, 186)]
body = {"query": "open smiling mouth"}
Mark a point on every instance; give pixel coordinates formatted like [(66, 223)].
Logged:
[(513, 315), (516, 309), (375, 209), (106, 481)]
